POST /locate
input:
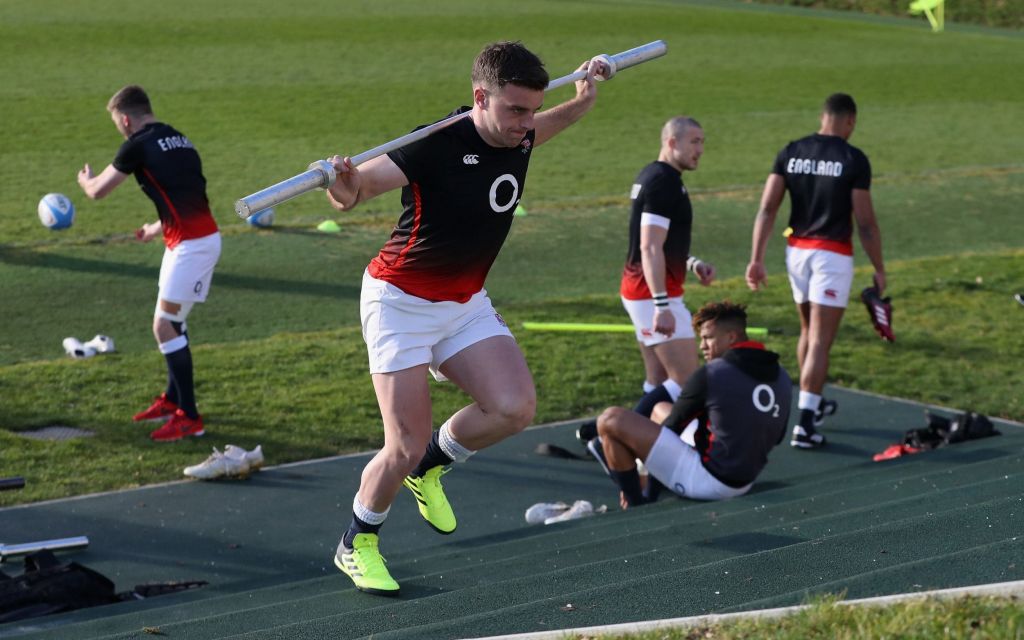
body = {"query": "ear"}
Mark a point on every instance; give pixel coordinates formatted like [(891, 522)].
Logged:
[(479, 97)]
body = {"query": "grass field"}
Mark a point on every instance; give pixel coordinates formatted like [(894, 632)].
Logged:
[(263, 90)]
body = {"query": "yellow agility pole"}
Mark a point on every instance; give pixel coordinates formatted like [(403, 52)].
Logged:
[(607, 328)]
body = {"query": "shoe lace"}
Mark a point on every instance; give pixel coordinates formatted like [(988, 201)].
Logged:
[(368, 555), (435, 478)]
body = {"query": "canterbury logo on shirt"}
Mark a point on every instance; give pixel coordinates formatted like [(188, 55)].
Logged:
[(174, 142), (815, 167), (470, 159)]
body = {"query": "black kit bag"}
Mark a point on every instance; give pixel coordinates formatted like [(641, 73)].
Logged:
[(49, 586), (942, 431)]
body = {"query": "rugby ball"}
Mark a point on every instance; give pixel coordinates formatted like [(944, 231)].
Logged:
[(56, 211), (262, 219)]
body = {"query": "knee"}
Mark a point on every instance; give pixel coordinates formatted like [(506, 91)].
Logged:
[(515, 411), (609, 420), (404, 456)]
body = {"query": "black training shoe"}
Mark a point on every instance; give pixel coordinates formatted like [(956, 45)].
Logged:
[(587, 432), (825, 408), (801, 439)]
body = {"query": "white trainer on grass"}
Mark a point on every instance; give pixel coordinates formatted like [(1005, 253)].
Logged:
[(218, 465), (102, 344), (74, 348)]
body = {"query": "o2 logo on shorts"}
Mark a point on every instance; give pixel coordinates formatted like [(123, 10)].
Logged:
[(764, 400), (502, 179), (501, 321), (198, 287)]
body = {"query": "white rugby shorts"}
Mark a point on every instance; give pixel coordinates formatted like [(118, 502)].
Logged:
[(641, 313), (403, 331), (677, 465), (187, 270), (820, 276)]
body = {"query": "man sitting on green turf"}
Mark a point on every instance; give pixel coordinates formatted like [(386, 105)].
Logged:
[(716, 437)]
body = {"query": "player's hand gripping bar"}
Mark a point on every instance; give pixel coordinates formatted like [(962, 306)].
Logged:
[(321, 174)]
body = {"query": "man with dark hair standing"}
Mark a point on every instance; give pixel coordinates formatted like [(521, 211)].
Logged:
[(829, 184), (716, 437), (423, 304), (168, 169)]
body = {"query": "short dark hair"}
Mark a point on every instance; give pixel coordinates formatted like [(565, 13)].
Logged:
[(131, 100), (505, 63), (725, 313), (840, 104)]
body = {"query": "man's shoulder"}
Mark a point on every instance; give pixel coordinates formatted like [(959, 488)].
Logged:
[(658, 174)]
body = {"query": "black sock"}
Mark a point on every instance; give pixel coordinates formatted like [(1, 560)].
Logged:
[(646, 404), (807, 420), (172, 389), (629, 482), (653, 489), (434, 457), (179, 364), (357, 527)]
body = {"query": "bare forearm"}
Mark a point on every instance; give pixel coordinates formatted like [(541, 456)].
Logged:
[(763, 224), (653, 261), (871, 240)]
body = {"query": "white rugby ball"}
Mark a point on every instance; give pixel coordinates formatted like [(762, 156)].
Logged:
[(262, 219), (56, 211)]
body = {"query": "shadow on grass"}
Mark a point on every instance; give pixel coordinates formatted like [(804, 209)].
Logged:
[(29, 258)]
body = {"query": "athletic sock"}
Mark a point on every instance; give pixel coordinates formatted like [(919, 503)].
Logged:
[(363, 521), (172, 389), (649, 386), (646, 404), (179, 366), (629, 482), (653, 489), (434, 457), (808, 404)]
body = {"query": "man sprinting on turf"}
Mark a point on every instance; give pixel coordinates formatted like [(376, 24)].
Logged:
[(168, 169), (423, 304), (829, 183), (716, 437)]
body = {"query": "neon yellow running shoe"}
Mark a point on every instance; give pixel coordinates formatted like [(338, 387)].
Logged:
[(364, 564), (431, 500)]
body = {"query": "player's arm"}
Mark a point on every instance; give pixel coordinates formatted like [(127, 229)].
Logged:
[(547, 124), (98, 186), (353, 185), (771, 200), (690, 403), (653, 231), (870, 234)]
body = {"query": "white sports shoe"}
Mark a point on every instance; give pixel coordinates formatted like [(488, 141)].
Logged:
[(102, 344), (218, 465), (74, 348), (252, 458), (579, 509), (541, 511)]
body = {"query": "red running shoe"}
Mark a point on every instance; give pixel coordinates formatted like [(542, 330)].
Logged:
[(161, 409), (178, 427)]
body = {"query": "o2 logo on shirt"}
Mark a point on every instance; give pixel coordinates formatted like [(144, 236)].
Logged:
[(502, 179), (764, 400)]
